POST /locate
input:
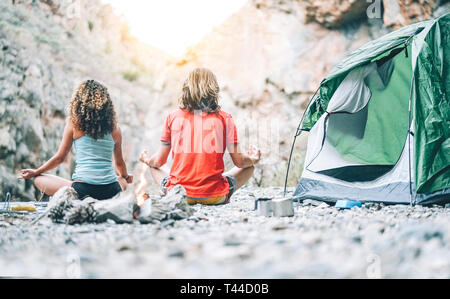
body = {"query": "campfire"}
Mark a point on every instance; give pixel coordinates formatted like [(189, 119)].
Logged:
[(140, 194), (140, 199)]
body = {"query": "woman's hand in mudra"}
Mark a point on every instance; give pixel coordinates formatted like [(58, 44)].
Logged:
[(28, 173), (254, 154), (129, 179), (145, 157)]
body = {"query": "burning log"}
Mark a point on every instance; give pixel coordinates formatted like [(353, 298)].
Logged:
[(64, 207), (62, 201), (140, 200), (172, 206), (120, 208)]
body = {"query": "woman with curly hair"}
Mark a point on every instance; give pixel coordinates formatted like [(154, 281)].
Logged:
[(96, 136)]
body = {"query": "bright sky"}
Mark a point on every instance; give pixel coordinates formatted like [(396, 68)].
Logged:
[(174, 25)]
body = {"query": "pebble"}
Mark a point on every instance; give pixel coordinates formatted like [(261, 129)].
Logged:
[(232, 241), (168, 222), (4, 224), (323, 205), (176, 253), (311, 202)]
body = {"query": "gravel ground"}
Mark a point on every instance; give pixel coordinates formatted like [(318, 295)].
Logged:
[(230, 241)]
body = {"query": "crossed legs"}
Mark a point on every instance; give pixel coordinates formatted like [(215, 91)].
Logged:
[(242, 175), (49, 184)]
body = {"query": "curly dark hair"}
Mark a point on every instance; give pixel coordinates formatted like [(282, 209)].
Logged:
[(200, 92), (91, 109)]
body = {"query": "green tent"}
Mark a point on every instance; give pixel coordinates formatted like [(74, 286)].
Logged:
[(379, 124)]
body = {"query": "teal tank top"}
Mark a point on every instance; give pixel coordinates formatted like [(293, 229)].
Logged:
[(94, 160)]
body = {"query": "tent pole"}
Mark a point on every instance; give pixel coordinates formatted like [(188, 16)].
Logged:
[(409, 139), (409, 167), (290, 157), (297, 133)]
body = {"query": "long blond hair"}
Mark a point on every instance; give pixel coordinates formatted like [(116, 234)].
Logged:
[(200, 92)]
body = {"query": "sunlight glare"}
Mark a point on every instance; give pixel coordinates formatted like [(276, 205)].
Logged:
[(174, 25)]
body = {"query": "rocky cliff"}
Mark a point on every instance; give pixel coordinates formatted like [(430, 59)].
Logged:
[(269, 58), (46, 49)]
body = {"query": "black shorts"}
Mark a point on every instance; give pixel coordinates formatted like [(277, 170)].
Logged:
[(99, 192)]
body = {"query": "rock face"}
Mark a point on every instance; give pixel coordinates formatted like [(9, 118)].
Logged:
[(46, 49), (399, 13), (334, 13), (395, 13)]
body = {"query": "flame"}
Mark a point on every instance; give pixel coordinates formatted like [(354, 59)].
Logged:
[(140, 200), (142, 181), (141, 196)]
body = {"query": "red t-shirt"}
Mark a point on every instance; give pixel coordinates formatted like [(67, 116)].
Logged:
[(198, 142)]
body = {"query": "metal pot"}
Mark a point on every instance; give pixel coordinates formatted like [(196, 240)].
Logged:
[(263, 207), (282, 207)]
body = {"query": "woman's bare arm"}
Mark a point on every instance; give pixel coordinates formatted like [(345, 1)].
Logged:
[(242, 160), (158, 159), (119, 163), (58, 158)]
